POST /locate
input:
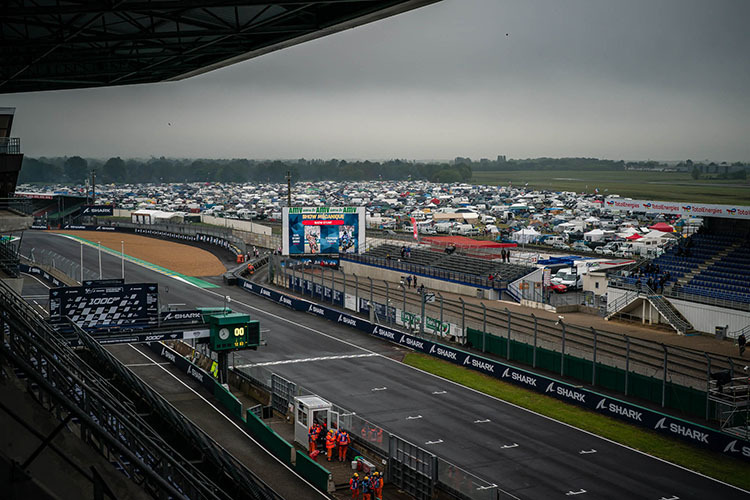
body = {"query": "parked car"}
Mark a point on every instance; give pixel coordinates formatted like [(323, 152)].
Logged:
[(570, 277), (580, 246)]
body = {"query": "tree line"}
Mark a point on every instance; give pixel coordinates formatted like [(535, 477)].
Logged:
[(76, 170)]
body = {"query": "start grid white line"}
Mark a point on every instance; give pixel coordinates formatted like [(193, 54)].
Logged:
[(307, 360)]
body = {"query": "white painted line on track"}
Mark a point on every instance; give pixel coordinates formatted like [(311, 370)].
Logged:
[(229, 420), (417, 417), (434, 442), (508, 446), (476, 391), (306, 360), (375, 389), (486, 420), (587, 452), (351, 344), (440, 392), (670, 498), (571, 493)]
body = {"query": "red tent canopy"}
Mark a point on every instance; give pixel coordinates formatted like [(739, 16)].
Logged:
[(663, 227), (464, 242), (634, 236), (435, 201)]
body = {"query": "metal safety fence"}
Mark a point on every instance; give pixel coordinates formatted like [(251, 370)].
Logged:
[(411, 468), (671, 376), (67, 266)]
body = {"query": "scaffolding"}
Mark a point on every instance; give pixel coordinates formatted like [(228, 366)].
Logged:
[(731, 397)]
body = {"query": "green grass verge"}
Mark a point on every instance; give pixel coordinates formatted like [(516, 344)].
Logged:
[(706, 462), (663, 186)]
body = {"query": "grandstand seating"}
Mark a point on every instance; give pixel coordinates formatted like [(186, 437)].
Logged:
[(713, 266), (456, 263)]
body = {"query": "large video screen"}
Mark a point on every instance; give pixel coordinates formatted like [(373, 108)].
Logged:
[(323, 230)]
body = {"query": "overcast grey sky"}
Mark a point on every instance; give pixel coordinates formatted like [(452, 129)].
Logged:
[(619, 79)]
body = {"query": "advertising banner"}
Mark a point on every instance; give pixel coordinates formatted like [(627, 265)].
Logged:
[(101, 307), (100, 210), (323, 230), (693, 433), (677, 208)]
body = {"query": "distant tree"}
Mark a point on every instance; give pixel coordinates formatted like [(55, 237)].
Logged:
[(113, 170), (76, 169), (33, 170), (695, 173)]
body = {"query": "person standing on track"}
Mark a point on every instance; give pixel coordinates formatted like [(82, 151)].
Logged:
[(313, 436), (330, 444), (377, 485), (355, 485), (343, 442), (366, 488)]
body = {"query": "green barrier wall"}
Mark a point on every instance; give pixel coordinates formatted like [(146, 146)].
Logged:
[(229, 401), (312, 471), (684, 399), (268, 438)]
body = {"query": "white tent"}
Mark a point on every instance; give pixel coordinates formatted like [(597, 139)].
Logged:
[(594, 235), (526, 235), (592, 220)]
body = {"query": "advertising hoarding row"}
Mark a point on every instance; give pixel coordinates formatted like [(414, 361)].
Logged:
[(678, 208), (323, 230)]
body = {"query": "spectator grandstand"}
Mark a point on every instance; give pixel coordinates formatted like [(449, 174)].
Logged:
[(438, 264), (711, 268)]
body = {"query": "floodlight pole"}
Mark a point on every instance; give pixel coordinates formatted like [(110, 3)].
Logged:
[(122, 257), (288, 188), (99, 243)]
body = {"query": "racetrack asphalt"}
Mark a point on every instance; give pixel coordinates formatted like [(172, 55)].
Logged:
[(550, 460)]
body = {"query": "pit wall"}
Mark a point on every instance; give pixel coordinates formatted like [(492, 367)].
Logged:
[(269, 439), (695, 434)]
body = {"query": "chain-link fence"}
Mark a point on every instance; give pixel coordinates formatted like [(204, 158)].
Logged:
[(466, 484), (666, 375), (66, 266)]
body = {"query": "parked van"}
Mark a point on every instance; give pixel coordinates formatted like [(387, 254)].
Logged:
[(466, 230), (552, 240)]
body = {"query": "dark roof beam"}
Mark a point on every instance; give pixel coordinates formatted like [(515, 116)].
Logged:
[(101, 7), (272, 19)]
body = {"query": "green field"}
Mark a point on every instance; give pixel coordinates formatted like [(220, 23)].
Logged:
[(706, 462), (662, 186)]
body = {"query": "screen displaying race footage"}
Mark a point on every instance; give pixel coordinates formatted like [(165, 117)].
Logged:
[(323, 230)]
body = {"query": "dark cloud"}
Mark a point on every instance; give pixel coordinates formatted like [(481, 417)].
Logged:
[(618, 79)]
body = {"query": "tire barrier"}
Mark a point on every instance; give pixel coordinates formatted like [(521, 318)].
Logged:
[(696, 434)]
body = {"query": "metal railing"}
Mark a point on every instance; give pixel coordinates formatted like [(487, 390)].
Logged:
[(10, 145), (62, 383), (22, 206), (466, 485), (683, 366), (68, 267), (188, 230), (428, 271)]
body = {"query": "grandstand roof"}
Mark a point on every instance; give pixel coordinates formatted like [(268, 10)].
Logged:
[(464, 242), (66, 44)]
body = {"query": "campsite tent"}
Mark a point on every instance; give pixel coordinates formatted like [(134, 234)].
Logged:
[(526, 235), (594, 235), (663, 227)]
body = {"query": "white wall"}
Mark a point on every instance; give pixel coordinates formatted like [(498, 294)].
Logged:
[(705, 318), (242, 225)]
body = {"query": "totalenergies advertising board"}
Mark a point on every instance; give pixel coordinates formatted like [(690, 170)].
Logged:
[(323, 230)]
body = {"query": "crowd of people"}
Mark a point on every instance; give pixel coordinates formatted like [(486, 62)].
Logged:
[(371, 487), (336, 440)]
